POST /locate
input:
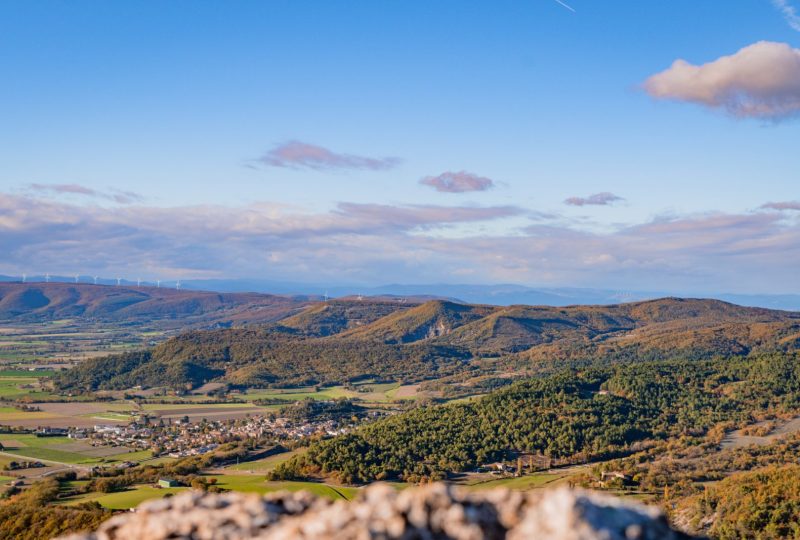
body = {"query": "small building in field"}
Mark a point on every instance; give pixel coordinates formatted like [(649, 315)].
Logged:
[(167, 483)]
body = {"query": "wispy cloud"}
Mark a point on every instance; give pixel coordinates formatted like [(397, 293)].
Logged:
[(120, 197), (458, 182), (789, 13), (785, 205), (598, 199), (759, 81), (300, 155)]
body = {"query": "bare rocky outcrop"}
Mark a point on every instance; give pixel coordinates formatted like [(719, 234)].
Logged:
[(437, 511)]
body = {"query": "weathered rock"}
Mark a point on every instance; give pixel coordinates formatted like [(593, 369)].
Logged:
[(437, 511)]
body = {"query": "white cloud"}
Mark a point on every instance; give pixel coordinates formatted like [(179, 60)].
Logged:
[(759, 81)]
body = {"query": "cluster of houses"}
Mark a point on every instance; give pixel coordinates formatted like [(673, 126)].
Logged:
[(181, 438)]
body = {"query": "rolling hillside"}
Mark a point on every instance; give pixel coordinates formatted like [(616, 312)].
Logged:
[(347, 340), (437, 318), (42, 302), (335, 316)]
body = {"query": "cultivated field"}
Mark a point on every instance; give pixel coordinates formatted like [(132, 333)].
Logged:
[(62, 450), (123, 500), (266, 464), (63, 342)]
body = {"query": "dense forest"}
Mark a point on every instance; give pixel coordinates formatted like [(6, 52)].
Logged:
[(347, 340), (571, 416), (261, 358), (763, 504), (30, 515)]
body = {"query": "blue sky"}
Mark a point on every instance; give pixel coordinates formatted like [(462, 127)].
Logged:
[(288, 140)]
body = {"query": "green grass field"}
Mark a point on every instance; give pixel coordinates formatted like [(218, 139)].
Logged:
[(123, 500), (256, 484), (266, 464), (373, 393), (33, 447), (296, 394), (119, 417), (522, 483), (32, 440), (25, 415), (51, 454), (25, 373), (188, 406), (141, 455), (10, 386)]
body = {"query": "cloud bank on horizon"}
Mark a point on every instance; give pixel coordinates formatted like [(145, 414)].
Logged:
[(378, 243)]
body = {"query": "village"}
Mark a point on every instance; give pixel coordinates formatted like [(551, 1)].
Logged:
[(182, 438)]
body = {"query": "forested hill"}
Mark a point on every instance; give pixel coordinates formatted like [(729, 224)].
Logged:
[(345, 340), (571, 417), (42, 302)]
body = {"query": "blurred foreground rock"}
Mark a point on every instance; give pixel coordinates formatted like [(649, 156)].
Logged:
[(433, 512)]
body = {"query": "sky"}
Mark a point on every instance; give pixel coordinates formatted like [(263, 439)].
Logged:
[(627, 145)]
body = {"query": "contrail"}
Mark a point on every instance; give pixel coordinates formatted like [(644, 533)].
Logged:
[(566, 6)]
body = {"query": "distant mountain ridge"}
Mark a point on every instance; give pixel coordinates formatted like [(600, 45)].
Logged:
[(38, 302), (496, 294), (342, 341)]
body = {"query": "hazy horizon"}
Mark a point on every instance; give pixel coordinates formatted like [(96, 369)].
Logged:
[(474, 293)]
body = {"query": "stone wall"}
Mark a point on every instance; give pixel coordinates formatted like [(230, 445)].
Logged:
[(437, 511)]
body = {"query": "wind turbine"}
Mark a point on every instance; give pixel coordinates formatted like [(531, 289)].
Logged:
[(138, 282), (326, 297), (77, 277), (119, 280), (47, 278), (158, 283), (24, 277), (95, 280), (178, 285)]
